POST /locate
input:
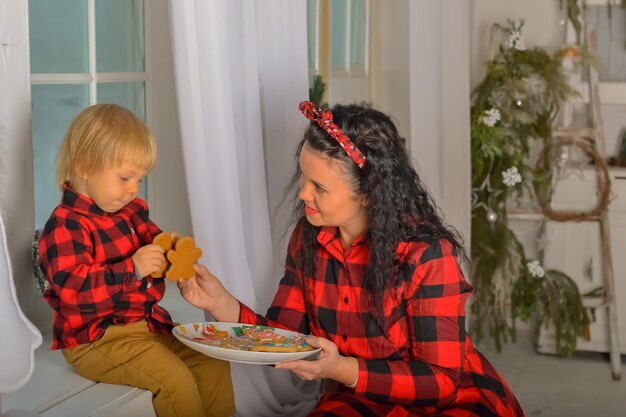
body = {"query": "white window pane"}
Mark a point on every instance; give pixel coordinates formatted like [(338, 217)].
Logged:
[(357, 36), (58, 36), (348, 31), (120, 35), (338, 35), (610, 41), (312, 32), (54, 107), (131, 95)]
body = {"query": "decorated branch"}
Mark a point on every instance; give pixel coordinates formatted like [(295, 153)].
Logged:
[(512, 112)]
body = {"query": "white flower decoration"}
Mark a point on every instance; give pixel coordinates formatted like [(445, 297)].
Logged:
[(491, 117), (535, 269), (516, 41), (511, 176)]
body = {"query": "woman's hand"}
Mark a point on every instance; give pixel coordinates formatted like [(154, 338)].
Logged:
[(329, 364), (148, 259), (205, 291)]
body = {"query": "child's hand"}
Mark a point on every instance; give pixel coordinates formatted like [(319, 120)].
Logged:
[(148, 259)]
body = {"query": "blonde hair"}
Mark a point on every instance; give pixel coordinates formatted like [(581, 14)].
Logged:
[(104, 136)]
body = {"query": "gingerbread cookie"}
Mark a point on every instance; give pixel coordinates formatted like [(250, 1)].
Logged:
[(165, 241), (182, 258)]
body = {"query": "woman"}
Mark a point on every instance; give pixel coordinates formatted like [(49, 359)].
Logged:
[(372, 274)]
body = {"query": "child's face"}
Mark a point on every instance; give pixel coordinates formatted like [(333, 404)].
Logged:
[(111, 188)]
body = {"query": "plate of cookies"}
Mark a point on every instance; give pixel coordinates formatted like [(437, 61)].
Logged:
[(245, 343)]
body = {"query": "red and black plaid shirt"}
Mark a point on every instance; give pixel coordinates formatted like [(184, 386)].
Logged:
[(85, 254), (420, 360)]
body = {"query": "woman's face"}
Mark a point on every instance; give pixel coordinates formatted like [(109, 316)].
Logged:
[(328, 196)]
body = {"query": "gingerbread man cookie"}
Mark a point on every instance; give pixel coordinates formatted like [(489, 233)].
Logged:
[(165, 241), (182, 257)]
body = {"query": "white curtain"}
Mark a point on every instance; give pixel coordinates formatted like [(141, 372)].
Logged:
[(241, 70), (20, 337), (439, 94)]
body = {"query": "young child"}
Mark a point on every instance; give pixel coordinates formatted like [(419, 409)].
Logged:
[(96, 251)]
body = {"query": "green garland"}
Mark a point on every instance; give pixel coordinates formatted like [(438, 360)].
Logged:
[(513, 107)]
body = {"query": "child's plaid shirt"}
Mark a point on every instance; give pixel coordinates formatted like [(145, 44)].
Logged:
[(85, 254)]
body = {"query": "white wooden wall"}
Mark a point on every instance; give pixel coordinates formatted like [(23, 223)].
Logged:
[(16, 162), (439, 104)]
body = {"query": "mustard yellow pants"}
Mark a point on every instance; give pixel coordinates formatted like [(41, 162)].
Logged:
[(185, 383)]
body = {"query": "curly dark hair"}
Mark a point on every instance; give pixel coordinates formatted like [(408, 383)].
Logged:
[(399, 207)]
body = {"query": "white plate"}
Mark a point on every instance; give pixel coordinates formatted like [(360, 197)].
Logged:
[(187, 332)]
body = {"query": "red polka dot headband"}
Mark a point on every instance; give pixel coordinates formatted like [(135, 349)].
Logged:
[(325, 120)]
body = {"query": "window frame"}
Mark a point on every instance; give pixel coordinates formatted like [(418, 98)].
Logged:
[(323, 33), (92, 78), (610, 92), (347, 70)]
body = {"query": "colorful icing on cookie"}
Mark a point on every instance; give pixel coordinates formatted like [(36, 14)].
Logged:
[(254, 338)]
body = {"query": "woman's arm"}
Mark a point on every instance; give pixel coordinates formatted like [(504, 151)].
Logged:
[(329, 364), (205, 291), (288, 309)]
